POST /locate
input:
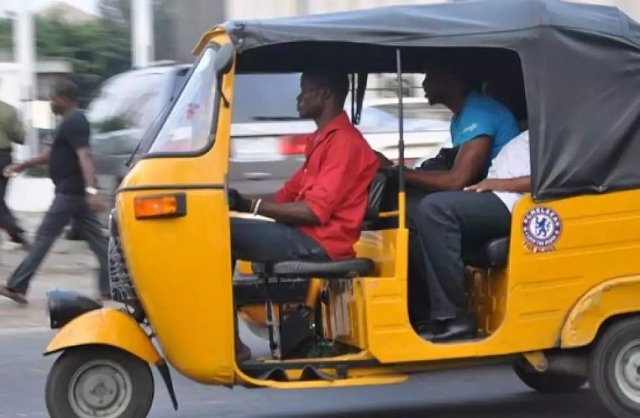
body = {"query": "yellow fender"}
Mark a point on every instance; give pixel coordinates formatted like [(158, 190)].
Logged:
[(107, 327), (608, 299)]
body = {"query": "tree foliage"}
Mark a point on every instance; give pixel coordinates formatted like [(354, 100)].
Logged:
[(98, 49)]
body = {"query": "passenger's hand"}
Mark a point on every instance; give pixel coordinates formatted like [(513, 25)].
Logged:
[(237, 202), (11, 170), (486, 185), (384, 161), (95, 204)]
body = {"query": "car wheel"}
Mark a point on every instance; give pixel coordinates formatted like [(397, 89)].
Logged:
[(551, 383), (99, 381), (614, 368)]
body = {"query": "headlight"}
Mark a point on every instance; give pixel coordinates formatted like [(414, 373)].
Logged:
[(66, 305)]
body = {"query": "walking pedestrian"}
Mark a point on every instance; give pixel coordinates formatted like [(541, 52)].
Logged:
[(76, 197), (11, 131)]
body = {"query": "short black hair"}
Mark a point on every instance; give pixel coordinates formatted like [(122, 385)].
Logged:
[(458, 66), (336, 82), (66, 88)]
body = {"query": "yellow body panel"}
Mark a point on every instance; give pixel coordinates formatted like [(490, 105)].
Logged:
[(106, 327), (524, 306), (181, 267), (612, 298)]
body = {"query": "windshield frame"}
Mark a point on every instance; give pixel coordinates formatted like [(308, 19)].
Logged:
[(152, 134)]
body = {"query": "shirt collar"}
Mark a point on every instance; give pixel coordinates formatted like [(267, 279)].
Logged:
[(339, 122)]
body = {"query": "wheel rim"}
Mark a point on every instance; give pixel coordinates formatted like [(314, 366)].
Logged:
[(101, 388), (627, 370)]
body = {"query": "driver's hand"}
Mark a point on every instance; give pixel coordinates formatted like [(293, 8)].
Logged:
[(237, 202)]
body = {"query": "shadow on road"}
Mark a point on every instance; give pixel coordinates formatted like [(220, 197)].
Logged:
[(522, 406)]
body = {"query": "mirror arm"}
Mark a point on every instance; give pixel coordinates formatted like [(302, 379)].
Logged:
[(224, 98)]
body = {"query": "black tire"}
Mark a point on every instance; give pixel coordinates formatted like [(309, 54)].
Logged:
[(99, 381), (549, 383), (614, 368)]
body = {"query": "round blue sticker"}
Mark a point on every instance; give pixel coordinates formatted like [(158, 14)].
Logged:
[(542, 228)]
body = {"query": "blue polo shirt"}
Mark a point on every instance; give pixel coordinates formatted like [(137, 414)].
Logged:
[(483, 115)]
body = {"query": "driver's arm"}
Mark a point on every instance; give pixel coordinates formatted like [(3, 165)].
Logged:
[(469, 163)]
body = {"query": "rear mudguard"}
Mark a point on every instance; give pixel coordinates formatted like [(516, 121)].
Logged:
[(609, 299)]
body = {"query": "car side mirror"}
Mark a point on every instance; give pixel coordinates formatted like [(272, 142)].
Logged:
[(223, 64), (224, 59)]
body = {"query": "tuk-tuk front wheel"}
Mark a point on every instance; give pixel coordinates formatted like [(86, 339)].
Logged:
[(99, 381), (545, 382), (614, 368)]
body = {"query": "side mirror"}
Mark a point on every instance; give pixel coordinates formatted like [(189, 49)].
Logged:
[(224, 59)]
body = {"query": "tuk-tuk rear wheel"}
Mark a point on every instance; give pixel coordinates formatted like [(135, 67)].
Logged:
[(614, 368), (99, 382), (550, 383)]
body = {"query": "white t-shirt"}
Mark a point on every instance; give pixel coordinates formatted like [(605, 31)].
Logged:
[(512, 161)]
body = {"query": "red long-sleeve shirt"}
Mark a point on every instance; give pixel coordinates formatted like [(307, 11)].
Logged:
[(333, 182)]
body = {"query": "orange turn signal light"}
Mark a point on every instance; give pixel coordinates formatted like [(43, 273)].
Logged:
[(160, 206)]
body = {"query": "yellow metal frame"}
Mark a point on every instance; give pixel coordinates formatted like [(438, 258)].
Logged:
[(106, 327)]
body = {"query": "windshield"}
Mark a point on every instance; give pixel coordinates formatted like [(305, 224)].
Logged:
[(129, 101), (187, 127)]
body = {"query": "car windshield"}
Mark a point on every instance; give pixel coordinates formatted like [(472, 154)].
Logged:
[(129, 101), (187, 127)]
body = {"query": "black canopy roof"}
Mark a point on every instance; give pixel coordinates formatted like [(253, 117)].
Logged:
[(581, 68)]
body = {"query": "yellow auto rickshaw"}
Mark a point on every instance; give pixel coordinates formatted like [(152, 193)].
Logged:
[(563, 306)]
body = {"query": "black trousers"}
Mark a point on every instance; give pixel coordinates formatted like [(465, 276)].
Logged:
[(7, 220), (62, 210), (445, 223)]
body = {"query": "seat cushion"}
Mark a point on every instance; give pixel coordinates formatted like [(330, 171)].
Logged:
[(491, 254), (325, 270)]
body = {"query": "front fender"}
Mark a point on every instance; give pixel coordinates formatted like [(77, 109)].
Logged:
[(107, 327), (611, 298)]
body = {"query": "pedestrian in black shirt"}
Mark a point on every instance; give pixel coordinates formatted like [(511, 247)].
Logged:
[(72, 171)]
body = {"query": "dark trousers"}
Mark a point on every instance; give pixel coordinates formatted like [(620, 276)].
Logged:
[(263, 241), (7, 220), (62, 210), (447, 221)]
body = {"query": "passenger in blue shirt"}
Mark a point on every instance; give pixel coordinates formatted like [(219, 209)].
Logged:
[(481, 126), (481, 116)]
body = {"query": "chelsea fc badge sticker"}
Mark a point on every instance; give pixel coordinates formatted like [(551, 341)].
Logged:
[(542, 228)]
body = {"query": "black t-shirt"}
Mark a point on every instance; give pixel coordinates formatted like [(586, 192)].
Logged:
[(64, 166)]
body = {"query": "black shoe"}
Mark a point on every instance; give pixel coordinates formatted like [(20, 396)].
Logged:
[(462, 327), (19, 238), (427, 329)]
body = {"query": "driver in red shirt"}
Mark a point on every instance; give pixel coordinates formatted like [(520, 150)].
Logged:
[(319, 211)]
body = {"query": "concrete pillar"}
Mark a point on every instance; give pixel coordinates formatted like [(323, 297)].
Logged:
[(24, 44), (142, 33)]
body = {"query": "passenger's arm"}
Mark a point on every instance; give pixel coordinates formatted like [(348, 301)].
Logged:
[(469, 163), (515, 185)]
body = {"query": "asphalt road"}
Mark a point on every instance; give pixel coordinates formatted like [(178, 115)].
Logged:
[(480, 392)]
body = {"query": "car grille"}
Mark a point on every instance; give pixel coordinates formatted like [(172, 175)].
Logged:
[(122, 288)]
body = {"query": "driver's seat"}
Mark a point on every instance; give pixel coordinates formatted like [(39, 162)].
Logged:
[(274, 273)]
